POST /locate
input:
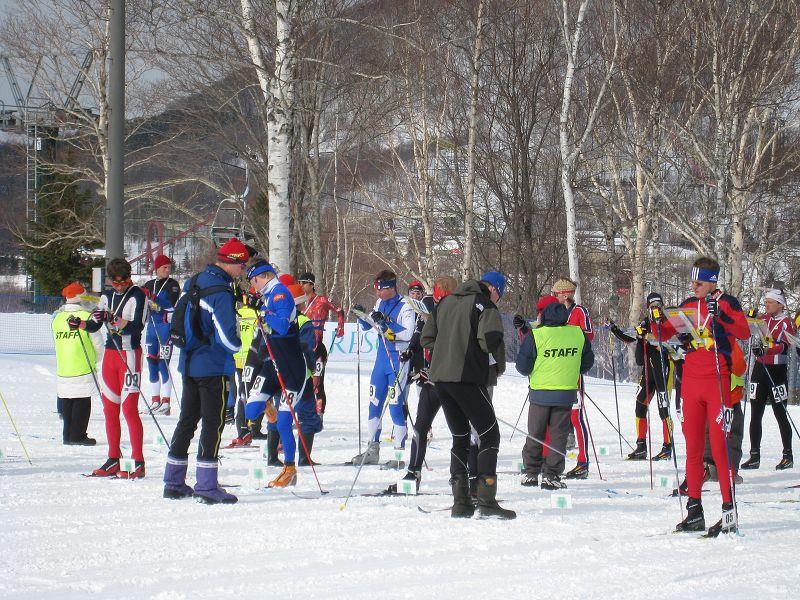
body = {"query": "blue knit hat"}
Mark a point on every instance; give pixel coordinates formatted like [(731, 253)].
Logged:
[(496, 280)]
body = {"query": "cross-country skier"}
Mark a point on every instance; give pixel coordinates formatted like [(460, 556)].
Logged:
[(564, 290), (206, 366), (318, 308), (714, 316), (278, 320), (770, 380), (651, 384), (162, 294), (122, 310), (395, 320)]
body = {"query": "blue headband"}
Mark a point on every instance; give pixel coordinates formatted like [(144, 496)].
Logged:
[(259, 269), (700, 274), (385, 284)]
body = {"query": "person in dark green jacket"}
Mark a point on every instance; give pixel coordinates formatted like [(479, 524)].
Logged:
[(466, 326), (553, 355)]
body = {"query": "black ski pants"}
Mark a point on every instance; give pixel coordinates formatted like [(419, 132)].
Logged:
[(203, 398), (466, 404), (75, 413), (765, 379), (427, 409)]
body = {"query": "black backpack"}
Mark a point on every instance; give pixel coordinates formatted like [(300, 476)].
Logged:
[(186, 332)]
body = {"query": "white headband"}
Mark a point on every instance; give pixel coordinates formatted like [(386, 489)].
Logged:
[(777, 296)]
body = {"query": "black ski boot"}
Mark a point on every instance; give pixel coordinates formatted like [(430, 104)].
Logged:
[(694, 521), (487, 500), (304, 460), (684, 487), (640, 453), (787, 462), (665, 454), (273, 439), (580, 471), (462, 505), (727, 524), (753, 462)]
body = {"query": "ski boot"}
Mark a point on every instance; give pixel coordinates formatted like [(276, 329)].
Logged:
[(553, 482), (273, 439), (155, 402), (305, 460), (787, 462), (581, 471), (727, 524), (640, 453), (694, 521), (753, 462), (137, 473), (285, 478), (487, 500), (163, 408), (411, 475), (665, 454), (684, 487), (370, 457), (109, 469), (529, 480), (241, 442), (462, 503)]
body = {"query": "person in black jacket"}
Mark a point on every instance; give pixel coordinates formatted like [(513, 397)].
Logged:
[(468, 328)]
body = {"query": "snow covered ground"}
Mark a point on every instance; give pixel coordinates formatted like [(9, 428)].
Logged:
[(66, 536)]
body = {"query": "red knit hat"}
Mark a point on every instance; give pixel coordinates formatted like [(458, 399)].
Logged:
[(161, 260), (73, 290), (287, 279), (297, 293), (544, 302), (233, 251)]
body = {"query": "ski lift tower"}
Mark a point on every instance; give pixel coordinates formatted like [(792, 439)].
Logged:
[(39, 120)]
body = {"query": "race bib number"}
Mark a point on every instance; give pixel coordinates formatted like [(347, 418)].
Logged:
[(247, 374), (728, 518), (287, 400), (663, 401), (258, 384), (779, 393), (372, 399), (319, 368), (725, 418), (131, 383), (392, 395), (753, 390), (165, 352)]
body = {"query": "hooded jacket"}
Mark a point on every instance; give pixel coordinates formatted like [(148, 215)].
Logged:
[(467, 327), (554, 316)]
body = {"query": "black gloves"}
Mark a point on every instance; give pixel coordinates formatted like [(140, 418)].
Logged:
[(377, 316), (74, 323), (406, 355), (521, 323), (685, 338), (758, 351), (100, 316)]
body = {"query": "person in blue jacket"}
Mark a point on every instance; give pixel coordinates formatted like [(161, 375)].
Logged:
[(395, 320), (206, 371), (286, 366), (162, 294)]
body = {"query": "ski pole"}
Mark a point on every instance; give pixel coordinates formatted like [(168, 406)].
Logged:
[(616, 398), (364, 454), (725, 425), (521, 410), (289, 401), (531, 437), (89, 364), (135, 379), (14, 425), (647, 413), (358, 380), (670, 427), (773, 386), (589, 429), (624, 439)]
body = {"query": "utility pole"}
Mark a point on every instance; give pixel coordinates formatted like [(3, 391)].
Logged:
[(115, 203)]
